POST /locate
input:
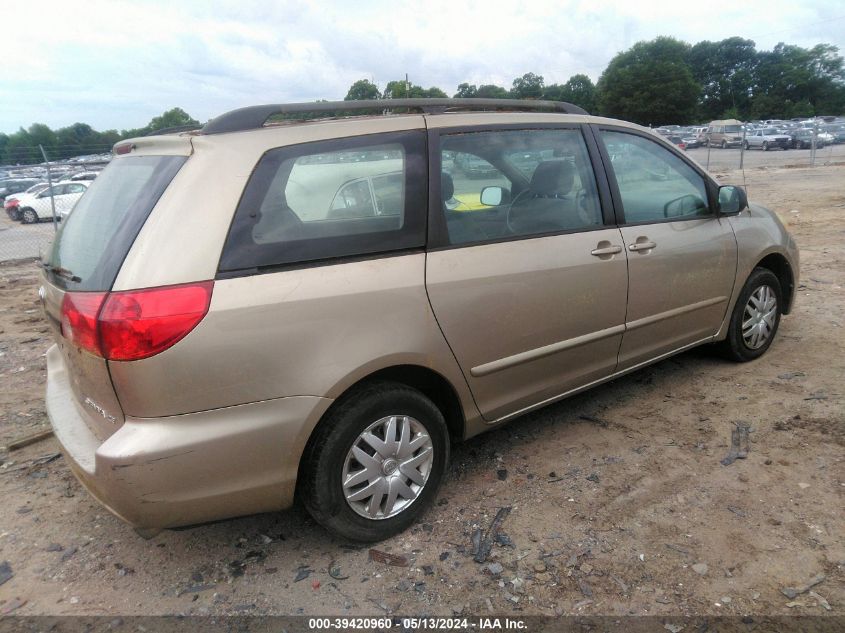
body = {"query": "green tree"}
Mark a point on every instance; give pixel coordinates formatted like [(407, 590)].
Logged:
[(725, 70), (529, 86), (651, 84), (492, 91), (41, 134), (400, 89), (175, 117), (362, 90), (466, 91), (579, 90), (19, 149), (804, 81)]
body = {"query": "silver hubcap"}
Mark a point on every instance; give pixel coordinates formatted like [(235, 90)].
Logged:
[(387, 467), (758, 320)]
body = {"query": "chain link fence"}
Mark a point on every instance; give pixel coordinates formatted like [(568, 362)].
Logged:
[(36, 198), (815, 146)]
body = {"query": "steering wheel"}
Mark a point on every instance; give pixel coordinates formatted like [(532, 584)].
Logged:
[(584, 214), (521, 196)]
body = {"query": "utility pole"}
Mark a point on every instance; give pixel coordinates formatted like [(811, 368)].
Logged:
[(50, 185)]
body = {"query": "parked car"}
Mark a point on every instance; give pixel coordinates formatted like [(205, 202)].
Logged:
[(223, 343), (802, 138), (766, 139), (677, 141), (84, 175), (725, 133), (691, 140), (9, 186), (837, 131), (11, 205), (37, 207)]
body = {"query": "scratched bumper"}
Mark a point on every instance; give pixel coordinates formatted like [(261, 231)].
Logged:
[(186, 469)]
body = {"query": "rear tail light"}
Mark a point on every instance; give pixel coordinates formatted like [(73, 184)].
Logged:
[(134, 324), (79, 319), (11, 203)]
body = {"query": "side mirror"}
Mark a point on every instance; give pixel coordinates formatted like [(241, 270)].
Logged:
[(732, 200), (492, 196)]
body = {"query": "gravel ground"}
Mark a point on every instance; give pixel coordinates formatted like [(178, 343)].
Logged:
[(618, 501)]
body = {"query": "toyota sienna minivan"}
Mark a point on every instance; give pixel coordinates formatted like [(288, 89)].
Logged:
[(271, 306)]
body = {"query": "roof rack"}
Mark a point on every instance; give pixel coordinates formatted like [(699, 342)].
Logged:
[(253, 117)]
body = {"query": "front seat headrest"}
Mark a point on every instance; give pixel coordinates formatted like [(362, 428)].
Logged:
[(552, 178)]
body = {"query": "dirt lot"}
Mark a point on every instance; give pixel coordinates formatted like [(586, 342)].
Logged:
[(619, 502)]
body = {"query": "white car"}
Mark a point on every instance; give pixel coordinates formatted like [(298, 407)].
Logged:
[(37, 207), (12, 200)]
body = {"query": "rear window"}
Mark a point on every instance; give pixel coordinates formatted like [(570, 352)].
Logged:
[(94, 239), (340, 198)]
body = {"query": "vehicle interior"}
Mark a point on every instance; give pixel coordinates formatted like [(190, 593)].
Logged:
[(541, 182)]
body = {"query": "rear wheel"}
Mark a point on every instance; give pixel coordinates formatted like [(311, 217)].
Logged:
[(747, 146), (375, 463), (29, 216), (756, 316)]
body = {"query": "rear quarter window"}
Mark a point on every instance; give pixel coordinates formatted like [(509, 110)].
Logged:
[(340, 198)]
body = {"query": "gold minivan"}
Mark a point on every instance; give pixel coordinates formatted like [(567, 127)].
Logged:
[(725, 133), (272, 306)]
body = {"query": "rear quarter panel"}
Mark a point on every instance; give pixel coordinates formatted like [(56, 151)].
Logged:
[(312, 331)]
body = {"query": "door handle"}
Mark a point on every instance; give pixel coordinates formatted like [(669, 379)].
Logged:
[(646, 245), (606, 250)]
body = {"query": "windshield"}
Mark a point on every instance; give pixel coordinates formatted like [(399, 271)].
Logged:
[(96, 236)]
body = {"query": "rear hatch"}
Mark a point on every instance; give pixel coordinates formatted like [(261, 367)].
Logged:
[(80, 267)]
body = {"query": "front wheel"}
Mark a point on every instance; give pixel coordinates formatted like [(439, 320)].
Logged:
[(747, 146), (375, 463), (29, 216), (755, 318), (765, 146), (724, 145)]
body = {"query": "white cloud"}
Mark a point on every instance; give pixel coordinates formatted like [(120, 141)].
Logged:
[(118, 63)]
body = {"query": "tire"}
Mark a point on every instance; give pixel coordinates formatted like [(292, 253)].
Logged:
[(724, 145), (328, 460), (29, 216), (747, 146), (765, 146), (745, 346)]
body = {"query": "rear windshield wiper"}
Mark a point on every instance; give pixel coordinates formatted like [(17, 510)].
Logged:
[(64, 273)]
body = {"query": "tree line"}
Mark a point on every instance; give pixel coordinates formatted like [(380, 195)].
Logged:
[(22, 147), (661, 81)]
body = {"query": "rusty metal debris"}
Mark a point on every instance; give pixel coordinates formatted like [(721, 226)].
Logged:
[(29, 439), (377, 556), (485, 543), (739, 443)]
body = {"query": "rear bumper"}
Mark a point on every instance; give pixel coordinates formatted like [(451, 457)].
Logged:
[(186, 469)]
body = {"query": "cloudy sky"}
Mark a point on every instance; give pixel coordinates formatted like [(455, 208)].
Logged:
[(118, 63)]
